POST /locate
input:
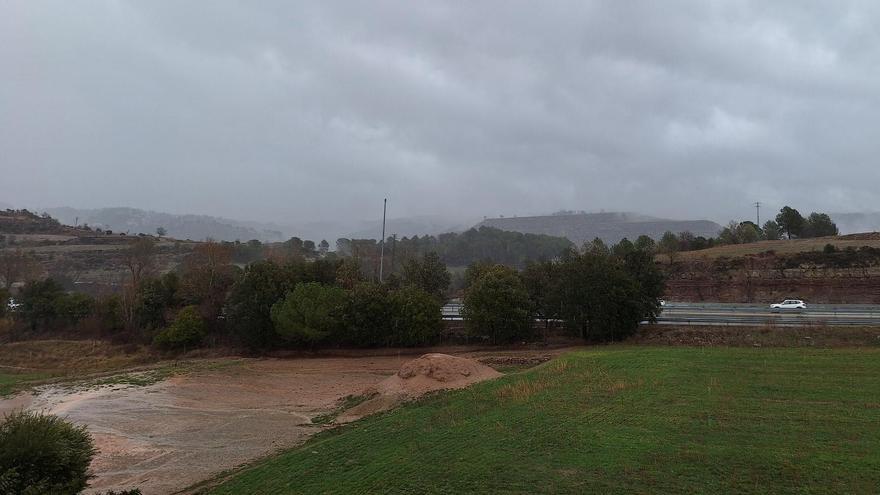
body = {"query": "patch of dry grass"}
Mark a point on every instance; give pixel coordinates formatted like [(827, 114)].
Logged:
[(758, 336)]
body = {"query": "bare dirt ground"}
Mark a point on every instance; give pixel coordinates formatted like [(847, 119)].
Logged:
[(169, 435)]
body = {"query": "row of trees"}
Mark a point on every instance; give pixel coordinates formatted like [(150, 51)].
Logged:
[(598, 293), (789, 223)]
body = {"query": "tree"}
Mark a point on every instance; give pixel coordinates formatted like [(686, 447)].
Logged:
[(541, 282), (428, 274), (41, 453), (310, 313), (367, 316), (747, 232), (4, 302), (323, 247), (250, 303), (187, 330), (645, 243), (623, 248), (74, 307), (155, 298), (140, 258), (38, 300), (597, 246), (790, 221), (416, 318), (497, 305), (17, 266), (600, 300), (820, 225), (207, 275), (650, 280), (771, 231), (668, 245), (161, 232)]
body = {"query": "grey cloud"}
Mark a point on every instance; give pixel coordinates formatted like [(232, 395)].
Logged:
[(301, 111)]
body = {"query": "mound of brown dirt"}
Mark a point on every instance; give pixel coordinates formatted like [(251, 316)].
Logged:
[(418, 377)]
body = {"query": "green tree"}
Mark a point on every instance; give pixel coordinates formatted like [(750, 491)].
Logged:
[(790, 221), (43, 454), (187, 330), (820, 225), (600, 300), (74, 307), (541, 281), (428, 274), (597, 246), (645, 243), (367, 316), (310, 313), (250, 302), (668, 245), (155, 297), (623, 248), (771, 231), (161, 232), (650, 281), (4, 302), (747, 232), (416, 318), (38, 301), (497, 305)]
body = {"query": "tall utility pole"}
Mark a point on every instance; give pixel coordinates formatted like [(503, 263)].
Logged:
[(382, 248), (758, 213)]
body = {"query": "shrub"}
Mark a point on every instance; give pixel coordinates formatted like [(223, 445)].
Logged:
[(187, 330), (416, 318), (310, 313), (367, 316), (497, 305), (43, 454)]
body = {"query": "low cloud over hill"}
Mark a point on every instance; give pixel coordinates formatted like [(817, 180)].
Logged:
[(611, 227)]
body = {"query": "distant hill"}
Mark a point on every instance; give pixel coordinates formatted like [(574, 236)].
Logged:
[(611, 227), (195, 227)]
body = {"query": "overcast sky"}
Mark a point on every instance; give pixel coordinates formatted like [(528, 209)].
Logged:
[(291, 110)]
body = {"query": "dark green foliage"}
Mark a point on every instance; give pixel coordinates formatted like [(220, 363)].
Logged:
[(541, 281), (790, 222), (186, 331), (829, 249), (819, 225), (155, 297), (38, 301), (310, 313), (4, 302), (599, 299), (645, 243), (461, 249), (415, 318), (75, 307), (43, 454), (428, 274), (108, 312), (497, 305), (367, 316), (771, 231), (133, 491), (650, 282), (250, 303)]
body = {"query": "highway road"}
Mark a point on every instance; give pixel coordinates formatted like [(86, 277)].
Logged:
[(750, 314)]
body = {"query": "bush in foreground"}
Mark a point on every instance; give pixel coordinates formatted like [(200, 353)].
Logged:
[(42, 454), (188, 330)]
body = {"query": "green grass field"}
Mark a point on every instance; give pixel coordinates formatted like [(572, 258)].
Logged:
[(614, 420), (12, 382)]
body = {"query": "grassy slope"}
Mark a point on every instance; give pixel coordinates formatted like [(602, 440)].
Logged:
[(616, 420), (780, 247)]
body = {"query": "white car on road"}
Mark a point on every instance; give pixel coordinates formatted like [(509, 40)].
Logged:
[(789, 304)]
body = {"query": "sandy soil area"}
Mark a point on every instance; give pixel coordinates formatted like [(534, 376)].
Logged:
[(164, 437)]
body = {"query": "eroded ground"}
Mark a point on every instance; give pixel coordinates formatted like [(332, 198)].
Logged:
[(165, 436)]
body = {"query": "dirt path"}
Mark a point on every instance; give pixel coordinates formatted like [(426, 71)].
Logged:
[(164, 437)]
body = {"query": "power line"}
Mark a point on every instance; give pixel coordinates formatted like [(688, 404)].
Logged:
[(382, 250)]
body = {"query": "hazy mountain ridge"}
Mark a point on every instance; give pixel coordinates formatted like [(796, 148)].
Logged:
[(186, 226), (611, 227)]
